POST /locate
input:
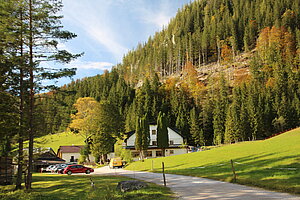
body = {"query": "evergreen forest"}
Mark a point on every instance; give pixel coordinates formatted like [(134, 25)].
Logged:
[(163, 74), (191, 71)]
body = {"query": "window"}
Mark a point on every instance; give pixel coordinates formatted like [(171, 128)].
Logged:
[(153, 132), (158, 153), (171, 142), (135, 154), (149, 154), (154, 143), (72, 159), (171, 152)]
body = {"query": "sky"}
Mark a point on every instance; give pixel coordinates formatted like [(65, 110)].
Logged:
[(107, 29)]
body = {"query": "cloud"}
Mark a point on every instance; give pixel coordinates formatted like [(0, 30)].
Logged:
[(91, 65), (159, 15), (92, 18)]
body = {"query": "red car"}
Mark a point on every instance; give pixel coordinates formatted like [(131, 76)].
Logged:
[(77, 169)]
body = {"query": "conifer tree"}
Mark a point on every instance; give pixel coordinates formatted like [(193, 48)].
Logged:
[(206, 117), (109, 126), (219, 113), (43, 35), (196, 131), (145, 135), (162, 132), (142, 135), (138, 137)]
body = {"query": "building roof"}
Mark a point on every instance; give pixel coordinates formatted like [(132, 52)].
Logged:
[(130, 133), (51, 159), (70, 149), (47, 157), (175, 146)]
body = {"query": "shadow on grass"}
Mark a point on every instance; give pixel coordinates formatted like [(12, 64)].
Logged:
[(77, 187), (257, 170)]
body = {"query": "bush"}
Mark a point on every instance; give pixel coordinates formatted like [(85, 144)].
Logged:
[(82, 159), (125, 154)]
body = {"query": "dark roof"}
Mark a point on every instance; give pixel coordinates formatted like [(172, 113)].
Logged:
[(51, 159), (177, 131), (128, 134), (47, 155), (70, 149)]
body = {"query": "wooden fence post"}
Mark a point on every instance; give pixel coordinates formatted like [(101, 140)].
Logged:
[(151, 165), (233, 171), (164, 176)]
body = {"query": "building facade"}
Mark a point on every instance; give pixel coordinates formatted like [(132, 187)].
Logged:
[(71, 153), (176, 141)]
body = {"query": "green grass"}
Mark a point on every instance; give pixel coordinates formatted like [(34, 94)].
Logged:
[(273, 164), (63, 187), (59, 139)]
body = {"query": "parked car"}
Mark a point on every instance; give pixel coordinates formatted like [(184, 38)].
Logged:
[(49, 168), (77, 169), (58, 166), (115, 162), (60, 169)]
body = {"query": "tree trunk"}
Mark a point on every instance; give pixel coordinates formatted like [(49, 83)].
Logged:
[(21, 110), (163, 152), (31, 104), (103, 158)]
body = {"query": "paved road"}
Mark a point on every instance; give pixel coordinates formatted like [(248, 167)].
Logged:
[(186, 187)]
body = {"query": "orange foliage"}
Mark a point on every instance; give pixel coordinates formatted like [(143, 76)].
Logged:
[(192, 84), (270, 82), (274, 42), (170, 83), (241, 76), (226, 53)]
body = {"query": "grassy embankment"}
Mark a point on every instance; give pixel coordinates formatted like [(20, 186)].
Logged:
[(59, 139), (63, 187), (273, 164)]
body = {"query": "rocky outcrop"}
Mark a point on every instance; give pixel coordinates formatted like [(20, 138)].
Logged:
[(125, 186)]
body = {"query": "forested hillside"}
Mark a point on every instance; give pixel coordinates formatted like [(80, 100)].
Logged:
[(162, 74), (256, 43), (206, 31)]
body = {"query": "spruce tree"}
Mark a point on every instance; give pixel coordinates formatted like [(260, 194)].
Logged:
[(220, 110), (145, 135), (43, 34), (109, 126), (162, 132), (138, 137), (196, 131)]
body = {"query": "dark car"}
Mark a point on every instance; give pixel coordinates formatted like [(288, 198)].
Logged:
[(77, 169)]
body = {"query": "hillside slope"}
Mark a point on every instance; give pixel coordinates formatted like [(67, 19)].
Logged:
[(59, 139), (272, 163)]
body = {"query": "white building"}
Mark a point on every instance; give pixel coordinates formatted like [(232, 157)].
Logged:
[(71, 153), (175, 143)]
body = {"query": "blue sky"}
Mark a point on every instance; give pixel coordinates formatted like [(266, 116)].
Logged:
[(107, 29)]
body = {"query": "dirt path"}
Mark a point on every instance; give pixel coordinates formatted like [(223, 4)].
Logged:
[(187, 187)]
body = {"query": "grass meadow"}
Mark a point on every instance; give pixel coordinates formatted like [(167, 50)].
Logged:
[(78, 187), (272, 164), (59, 139)]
